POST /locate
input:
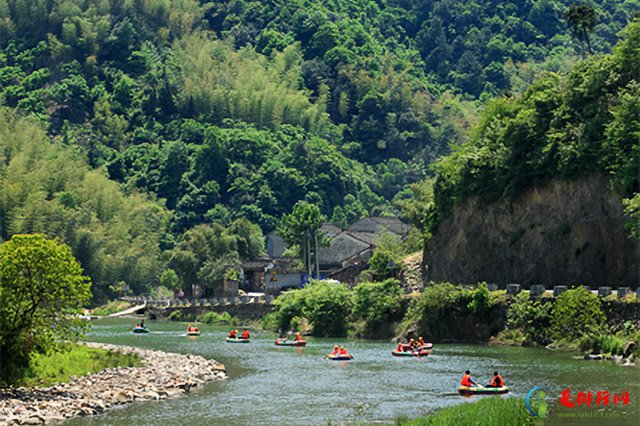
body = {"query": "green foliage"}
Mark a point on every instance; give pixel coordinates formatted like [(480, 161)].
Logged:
[(582, 20), (377, 303), (510, 411), (49, 188), (41, 290), (443, 311), (530, 316), (215, 318), (325, 305), (169, 279), (204, 253), (300, 228), (577, 312), (181, 315), (481, 299), (73, 360), (607, 344), (632, 210), (565, 127), (111, 308)]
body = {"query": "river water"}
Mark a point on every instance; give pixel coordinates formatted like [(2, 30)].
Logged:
[(271, 385)]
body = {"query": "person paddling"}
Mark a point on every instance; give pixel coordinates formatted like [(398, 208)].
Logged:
[(467, 380), (298, 337), (497, 381), (233, 334), (245, 334)]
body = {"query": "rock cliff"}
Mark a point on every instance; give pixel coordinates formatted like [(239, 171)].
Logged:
[(567, 232)]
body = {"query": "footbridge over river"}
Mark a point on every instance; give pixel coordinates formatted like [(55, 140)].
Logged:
[(249, 307), (250, 299)]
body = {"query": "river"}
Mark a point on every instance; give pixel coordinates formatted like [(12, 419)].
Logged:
[(271, 385)]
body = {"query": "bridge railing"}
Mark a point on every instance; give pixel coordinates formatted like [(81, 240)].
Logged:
[(214, 301)]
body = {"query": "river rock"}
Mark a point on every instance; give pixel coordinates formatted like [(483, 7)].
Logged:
[(159, 377), (628, 348), (32, 420)]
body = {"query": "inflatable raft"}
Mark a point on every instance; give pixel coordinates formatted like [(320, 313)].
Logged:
[(477, 390), (410, 353), (193, 333), (139, 330), (340, 357), (296, 343), (237, 340)]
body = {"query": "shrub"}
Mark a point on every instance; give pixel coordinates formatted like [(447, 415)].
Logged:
[(576, 313), (215, 318), (481, 299), (325, 305), (532, 317), (443, 311), (376, 303)]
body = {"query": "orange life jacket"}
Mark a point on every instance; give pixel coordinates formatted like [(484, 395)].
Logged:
[(336, 351), (344, 352), (245, 334), (232, 334), (298, 337), (466, 380), (497, 381)]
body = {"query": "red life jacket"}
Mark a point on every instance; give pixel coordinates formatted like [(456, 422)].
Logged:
[(497, 381), (466, 380), (245, 334), (343, 352), (232, 334)]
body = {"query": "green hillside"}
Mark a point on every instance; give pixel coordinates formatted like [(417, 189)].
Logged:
[(210, 112)]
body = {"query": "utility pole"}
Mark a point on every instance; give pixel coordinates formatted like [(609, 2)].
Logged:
[(315, 234)]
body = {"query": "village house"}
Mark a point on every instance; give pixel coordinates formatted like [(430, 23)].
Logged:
[(345, 256)]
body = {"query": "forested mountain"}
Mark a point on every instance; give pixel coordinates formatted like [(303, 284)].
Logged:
[(547, 184), (239, 109)]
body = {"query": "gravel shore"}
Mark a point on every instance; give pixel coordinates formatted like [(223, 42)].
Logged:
[(162, 375)]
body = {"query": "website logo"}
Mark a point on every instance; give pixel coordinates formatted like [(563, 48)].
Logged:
[(536, 402)]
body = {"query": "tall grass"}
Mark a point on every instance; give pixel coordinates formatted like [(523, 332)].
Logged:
[(487, 411), (73, 360)]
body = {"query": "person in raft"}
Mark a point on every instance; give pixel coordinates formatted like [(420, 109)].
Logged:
[(245, 334), (421, 342), (233, 334), (336, 350), (343, 351), (497, 381), (400, 347), (142, 324), (298, 337), (467, 380)]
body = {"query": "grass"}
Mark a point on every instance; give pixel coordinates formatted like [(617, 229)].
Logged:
[(73, 360), (487, 411), (111, 307)]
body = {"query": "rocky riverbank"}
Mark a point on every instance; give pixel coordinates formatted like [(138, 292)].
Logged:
[(162, 375)]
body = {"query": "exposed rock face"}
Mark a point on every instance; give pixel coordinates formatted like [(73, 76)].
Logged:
[(163, 375), (568, 232)]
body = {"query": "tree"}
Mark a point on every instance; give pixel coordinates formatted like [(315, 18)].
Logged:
[(41, 290), (582, 20), (170, 280), (300, 228)]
